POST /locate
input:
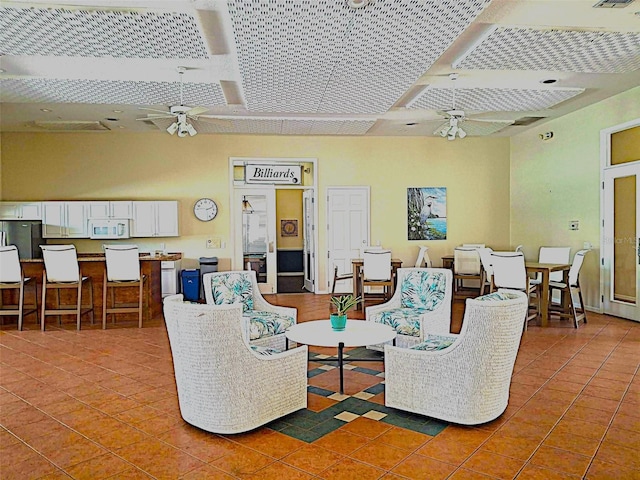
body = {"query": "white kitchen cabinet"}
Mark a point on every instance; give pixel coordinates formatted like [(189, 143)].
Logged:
[(106, 209), (65, 220), (20, 211), (155, 219)]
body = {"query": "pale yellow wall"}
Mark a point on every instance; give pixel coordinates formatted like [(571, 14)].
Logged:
[(87, 166), (558, 180)]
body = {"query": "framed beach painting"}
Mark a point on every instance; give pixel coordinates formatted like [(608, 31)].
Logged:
[(427, 213)]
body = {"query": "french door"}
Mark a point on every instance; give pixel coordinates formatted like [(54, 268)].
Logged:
[(256, 214), (348, 230), (620, 245)]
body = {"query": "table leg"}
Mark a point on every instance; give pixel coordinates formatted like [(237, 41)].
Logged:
[(544, 299), (356, 280), (340, 365)]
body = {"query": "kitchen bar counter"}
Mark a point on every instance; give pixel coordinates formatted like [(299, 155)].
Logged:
[(93, 265)]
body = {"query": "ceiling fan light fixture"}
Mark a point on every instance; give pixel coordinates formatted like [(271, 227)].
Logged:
[(461, 133), (173, 128), (192, 131)]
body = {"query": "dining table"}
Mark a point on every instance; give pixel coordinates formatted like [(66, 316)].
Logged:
[(545, 269), (358, 263)]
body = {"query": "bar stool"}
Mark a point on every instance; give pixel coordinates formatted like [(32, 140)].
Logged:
[(61, 271), (123, 270), (12, 278)]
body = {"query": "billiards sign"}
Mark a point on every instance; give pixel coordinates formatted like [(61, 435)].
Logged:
[(273, 174)]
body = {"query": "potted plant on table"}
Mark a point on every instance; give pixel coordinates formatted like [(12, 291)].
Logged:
[(343, 303)]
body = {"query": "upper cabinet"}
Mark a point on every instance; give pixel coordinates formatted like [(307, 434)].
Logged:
[(20, 211), (65, 220), (155, 219), (115, 209)]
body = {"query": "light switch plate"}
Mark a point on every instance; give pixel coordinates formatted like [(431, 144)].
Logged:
[(214, 242)]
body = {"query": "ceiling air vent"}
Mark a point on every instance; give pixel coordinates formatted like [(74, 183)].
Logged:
[(70, 126), (612, 3), (526, 121)]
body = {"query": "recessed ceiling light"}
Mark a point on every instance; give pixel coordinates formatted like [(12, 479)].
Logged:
[(117, 111), (45, 110), (549, 81)]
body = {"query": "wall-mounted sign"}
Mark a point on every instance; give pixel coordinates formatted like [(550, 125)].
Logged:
[(273, 174)]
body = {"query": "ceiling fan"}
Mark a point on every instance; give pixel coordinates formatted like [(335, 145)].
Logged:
[(452, 128), (181, 114)]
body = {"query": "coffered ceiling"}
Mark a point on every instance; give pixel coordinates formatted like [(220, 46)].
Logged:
[(311, 67)]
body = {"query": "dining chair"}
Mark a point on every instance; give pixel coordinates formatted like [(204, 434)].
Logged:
[(573, 286), (423, 257), (339, 277), (487, 270), (376, 272), (473, 245), (122, 271), (62, 272), (553, 255), (12, 278), (509, 272), (466, 266)]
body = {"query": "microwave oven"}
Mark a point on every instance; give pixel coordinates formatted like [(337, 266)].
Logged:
[(110, 228)]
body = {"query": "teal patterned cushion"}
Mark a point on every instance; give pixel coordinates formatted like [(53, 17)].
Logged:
[(405, 321), (423, 289), (497, 296), (266, 324), (266, 351), (435, 342), (232, 288)]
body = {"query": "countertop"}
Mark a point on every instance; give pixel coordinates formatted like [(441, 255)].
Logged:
[(99, 257)]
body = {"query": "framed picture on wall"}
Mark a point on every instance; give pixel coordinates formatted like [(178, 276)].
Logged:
[(289, 228), (427, 213)]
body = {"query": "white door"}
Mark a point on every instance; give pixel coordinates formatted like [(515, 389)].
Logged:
[(620, 248), (308, 239), (255, 234), (348, 230)]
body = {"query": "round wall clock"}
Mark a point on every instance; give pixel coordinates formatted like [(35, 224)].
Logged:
[(205, 209)]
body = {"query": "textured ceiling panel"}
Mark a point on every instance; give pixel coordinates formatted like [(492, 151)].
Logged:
[(561, 50), (98, 33), (108, 91), (491, 99), (315, 56)]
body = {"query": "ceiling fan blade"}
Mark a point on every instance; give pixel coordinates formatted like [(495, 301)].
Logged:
[(153, 110), (489, 120), (195, 111), (153, 116)]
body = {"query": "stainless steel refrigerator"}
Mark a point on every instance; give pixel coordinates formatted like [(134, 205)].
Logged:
[(26, 235)]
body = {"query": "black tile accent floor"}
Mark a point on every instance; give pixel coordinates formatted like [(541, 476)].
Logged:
[(309, 426)]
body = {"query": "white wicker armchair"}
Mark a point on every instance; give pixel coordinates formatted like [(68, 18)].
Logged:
[(461, 378), (421, 301), (225, 385), (264, 323)]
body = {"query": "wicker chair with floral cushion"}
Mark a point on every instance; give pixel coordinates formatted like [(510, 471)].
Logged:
[(462, 378), (225, 385), (265, 323), (421, 301)]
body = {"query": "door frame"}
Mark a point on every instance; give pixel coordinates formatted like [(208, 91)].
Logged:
[(605, 165), (236, 250)]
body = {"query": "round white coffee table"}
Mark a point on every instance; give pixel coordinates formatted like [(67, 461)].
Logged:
[(357, 333)]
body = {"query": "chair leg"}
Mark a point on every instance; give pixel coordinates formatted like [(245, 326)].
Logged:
[(79, 305), (583, 310), (104, 300), (20, 305), (44, 298), (90, 285)]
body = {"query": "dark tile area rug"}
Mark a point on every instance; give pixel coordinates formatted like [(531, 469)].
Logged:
[(309, 425)]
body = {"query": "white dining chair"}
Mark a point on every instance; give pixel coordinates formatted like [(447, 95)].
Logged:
[(573, 286), (122, 270), (509, 272), (61, 271), (487, 270), (423, 258), (466, 266), (376, 272), (12, 278), (553, 255)]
